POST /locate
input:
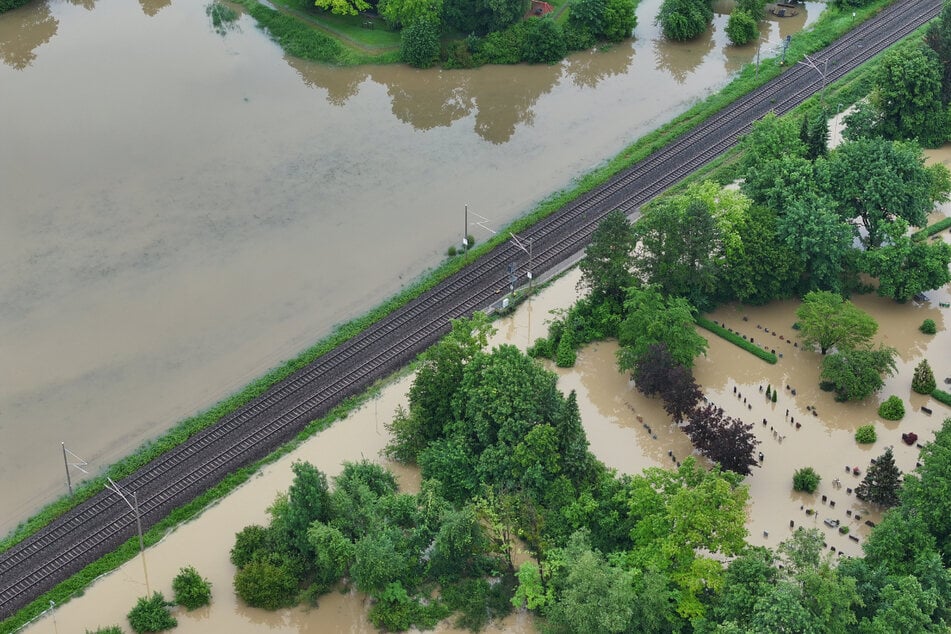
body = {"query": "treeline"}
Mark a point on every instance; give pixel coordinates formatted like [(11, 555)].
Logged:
[(7, 5), (493, 31), (505, 464)]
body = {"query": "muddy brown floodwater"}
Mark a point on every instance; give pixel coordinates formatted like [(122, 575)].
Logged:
[(178, 218)]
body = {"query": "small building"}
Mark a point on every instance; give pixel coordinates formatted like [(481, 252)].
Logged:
[(540, 8)]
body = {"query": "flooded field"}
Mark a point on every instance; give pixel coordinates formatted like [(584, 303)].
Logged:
[(178, 218)]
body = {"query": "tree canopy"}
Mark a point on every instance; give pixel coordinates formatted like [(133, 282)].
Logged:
[(652, 318), (827, 320)]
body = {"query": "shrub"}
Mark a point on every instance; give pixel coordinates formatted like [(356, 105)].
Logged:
[(684, 19), (151, 615), (541, 348), (542, 42), (892, 409), (419, 44), (930, 230), (266, 583), (114, 629), (806, 479), (191, 591), (741, 29), (565, 354), (942, 396), (248, 542), (923, 381), (928, 327), (866, 434), (844, 530), (452, 251)]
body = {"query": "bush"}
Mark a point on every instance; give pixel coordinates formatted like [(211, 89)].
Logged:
[(114, 629), (928, 327), (683, 20), (191, 591), (741, 29), (393, 610), (7, 5), (565, 354), (941, 396), (500, 47), (266, 583), (419, 44), (151, 615), (930, 230), (541, 348), (806, 479), (542, 42), (923, 380), (892, 409), (248, 542), (844, 530), (866, 434)]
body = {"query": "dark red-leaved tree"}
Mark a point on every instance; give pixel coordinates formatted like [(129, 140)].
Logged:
[(658, 374), (724, 439)]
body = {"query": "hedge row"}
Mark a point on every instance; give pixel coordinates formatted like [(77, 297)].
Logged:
[(734, 338), (941, 395), (930, 230)]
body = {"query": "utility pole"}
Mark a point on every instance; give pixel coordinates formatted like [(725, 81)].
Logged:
[(811, 63), (465, 234), (78, 465), (134, 505)]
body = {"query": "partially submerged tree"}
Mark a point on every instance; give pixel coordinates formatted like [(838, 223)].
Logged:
[(827, 320), (606, 266), (724, 439), (857, 374), (923, 380), (652, 318), (882, 481)]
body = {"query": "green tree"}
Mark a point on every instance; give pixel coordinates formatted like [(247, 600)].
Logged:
[(333, 553), (923, 381), (151, 614), (542, 41), (892, 408), (906, 267), (827, 320), (649, 319), (908, 94), (619, 20), (925, 490), (857, 374), (806, 479), (938, 38), (191, 589), (591, 595), (747, 578), (606, 266), (343, 7), (882, 481), (419, 43), (308, 500), (679, 247), (378, 560), (683, 20), (249, 542), (756, 8), (905, 608), (769, 149), (741, 28), (266, 583), (758, 267), (403, 13), (875, 180), (821, 240)]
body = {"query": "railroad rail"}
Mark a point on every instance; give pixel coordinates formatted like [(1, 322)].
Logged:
[(102, 523)]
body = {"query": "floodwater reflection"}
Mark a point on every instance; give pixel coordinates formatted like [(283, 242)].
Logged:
[(152, 7), (24, 30)]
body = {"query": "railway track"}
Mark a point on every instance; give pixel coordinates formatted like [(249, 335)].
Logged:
[(102, 523)]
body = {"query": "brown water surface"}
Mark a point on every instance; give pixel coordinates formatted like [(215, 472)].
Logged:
[(182, 211)]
